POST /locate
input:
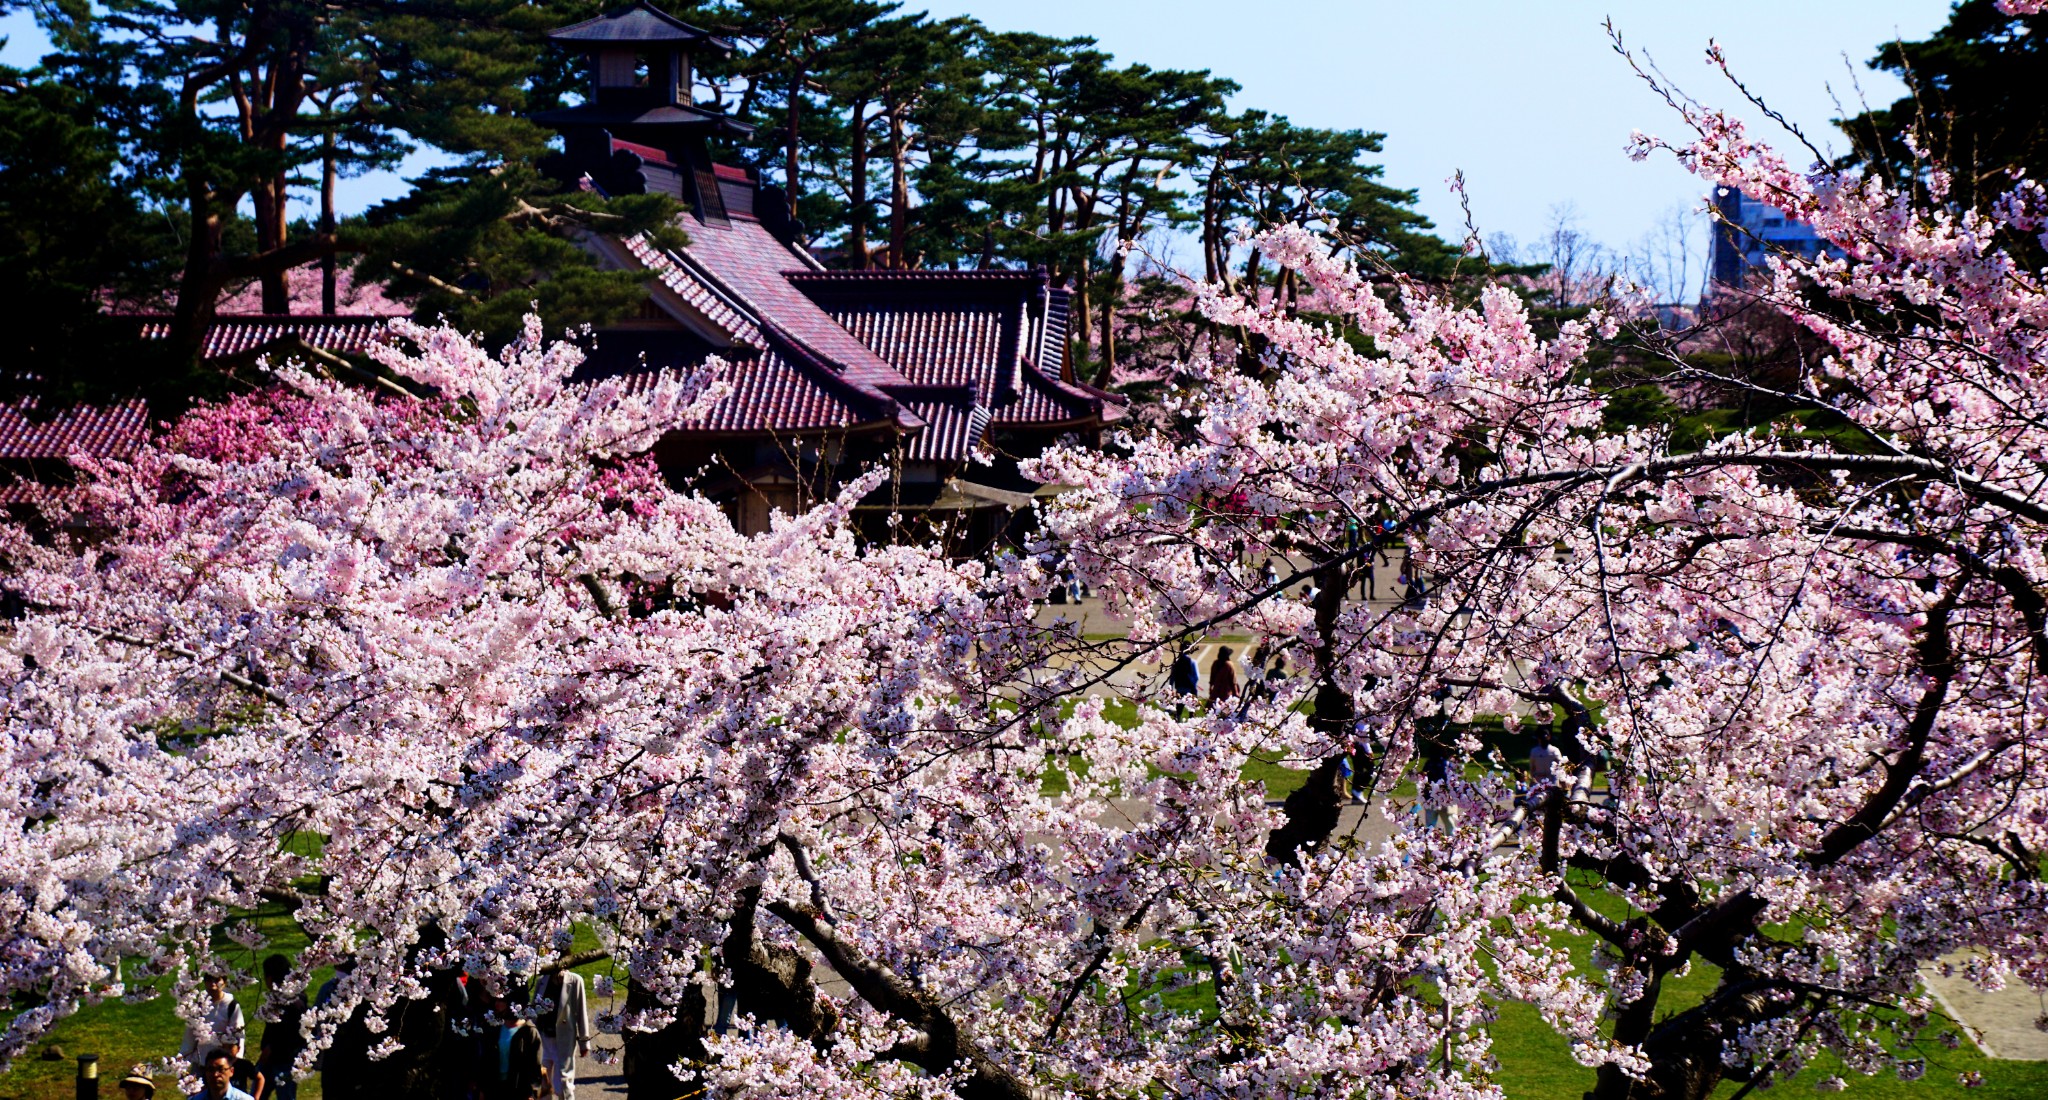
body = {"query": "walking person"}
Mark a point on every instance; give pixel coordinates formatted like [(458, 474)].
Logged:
[(1543, 758), (282, 1040), (508, 1065), (1222, 678), (1351, 533), (1359, 755), (1417, 590), (221, 1025), (1186, 680), (565, 1031)]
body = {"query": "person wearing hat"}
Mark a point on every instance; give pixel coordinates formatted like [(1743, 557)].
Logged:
[(137, 1087)]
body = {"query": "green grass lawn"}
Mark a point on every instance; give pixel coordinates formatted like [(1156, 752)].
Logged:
[(125, 1035), (1536, 1063)]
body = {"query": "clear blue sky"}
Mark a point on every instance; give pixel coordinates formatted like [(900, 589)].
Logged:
[(1523, 95)]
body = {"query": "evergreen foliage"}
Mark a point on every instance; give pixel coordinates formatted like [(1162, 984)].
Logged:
[(1977, 104), (898, 141)]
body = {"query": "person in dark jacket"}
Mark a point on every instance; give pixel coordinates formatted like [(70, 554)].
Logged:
[(282, 1040), (1185, 679), (508, 1065), (1222, 677)]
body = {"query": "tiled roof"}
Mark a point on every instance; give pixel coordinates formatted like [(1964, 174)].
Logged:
[(769, 394), (640, 23), (987, 328), (952, 429), (1046, 338), (942, 355), (749, 264), (934, 347), (698, 292), (232, 335), (102, 431), (1044, 400)]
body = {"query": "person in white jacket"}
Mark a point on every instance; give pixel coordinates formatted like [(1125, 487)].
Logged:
[(221, 1026), (564, 1022)]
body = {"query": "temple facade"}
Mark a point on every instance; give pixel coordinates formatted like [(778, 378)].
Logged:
[(946, 379)]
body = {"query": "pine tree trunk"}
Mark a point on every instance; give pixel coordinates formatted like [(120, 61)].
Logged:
[(327, 174), (791, 165), (269, 200), (1083, 309), (857, 188), (197, 286), (899, 193), (1106, 372)]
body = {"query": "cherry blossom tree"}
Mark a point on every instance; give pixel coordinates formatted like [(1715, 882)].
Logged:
[(1815, 656), (452, 674)]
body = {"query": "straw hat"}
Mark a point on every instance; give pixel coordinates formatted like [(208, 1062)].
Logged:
[(138, 1079)]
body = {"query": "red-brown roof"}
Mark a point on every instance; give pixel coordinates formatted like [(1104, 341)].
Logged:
[(751, 266), (934, 347), (100, 431), (952, 429), (117, 430), (699, 293), (770, 394), (986, 328), (938, 356), (239, 335)]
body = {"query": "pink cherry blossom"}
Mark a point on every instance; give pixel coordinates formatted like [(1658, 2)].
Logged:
[(512, 680)]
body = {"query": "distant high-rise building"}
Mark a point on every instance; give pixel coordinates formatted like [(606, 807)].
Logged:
[(1750, 230)]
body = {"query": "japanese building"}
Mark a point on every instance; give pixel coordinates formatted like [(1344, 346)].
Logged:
[(945, 377)]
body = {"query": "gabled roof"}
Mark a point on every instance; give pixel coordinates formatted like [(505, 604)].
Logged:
[(781, 381), (770, 394), (939, 357), (699, 293), (664, 114), (640, 24), (116, 430), (987, 328)]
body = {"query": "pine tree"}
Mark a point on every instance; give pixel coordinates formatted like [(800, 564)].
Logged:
[(214, 105), (1977, 103), (70, 239)]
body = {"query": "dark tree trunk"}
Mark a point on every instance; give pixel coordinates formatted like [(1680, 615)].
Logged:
[(649, 1054), (327, 269), (792, 151), (1312, 809), (899, 191), (1112, 286), (857, 192), (198, 285)]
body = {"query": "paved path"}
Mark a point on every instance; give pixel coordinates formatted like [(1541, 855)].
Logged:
[(2007, 1024)]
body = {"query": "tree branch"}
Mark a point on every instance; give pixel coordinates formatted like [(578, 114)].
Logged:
[(945, 1045)]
